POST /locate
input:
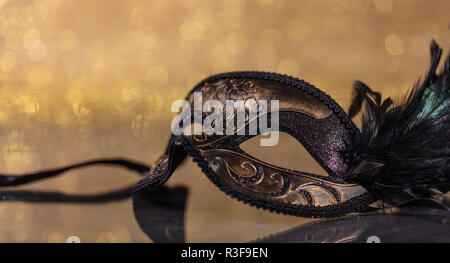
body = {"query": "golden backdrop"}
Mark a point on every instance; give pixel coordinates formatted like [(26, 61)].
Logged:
[(96, 78)]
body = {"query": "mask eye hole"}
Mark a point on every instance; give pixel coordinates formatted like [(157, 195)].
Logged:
[(288, 153)]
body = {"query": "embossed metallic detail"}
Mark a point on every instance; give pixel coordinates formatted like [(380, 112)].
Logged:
[(252, 178), (226, 89), (200, 138), (307, 196), (248, 175), (320, 193), (273, 182), (347, 193), (159, 167), (334, 194), (318, 178), (290, 99), (285, 183), (300, 197)]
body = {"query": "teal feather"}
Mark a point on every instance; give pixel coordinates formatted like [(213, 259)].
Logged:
[(436, 102), (410, 138)]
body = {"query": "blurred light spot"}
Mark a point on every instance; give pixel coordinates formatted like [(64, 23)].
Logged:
[(158, 10), (332, 60), (267, 2), (269, 40), (191, 30), (37, 51), (118, 234), (4, 212), (338, 6), (194, 78), (392, 65), (62, 118), (29, 106), (129, 93), (144, 40), (141, 126), (430, 29), (333, 25), (157, 76), (8, 61), (56, 237), (39, 77), (289, 66), (137, 16), (205, 17), (107, 237), (66, 4), (74, 95), (99, 71), (2, 2), (236, 42), (297, 30), (384, 6), (19, 217), (67, 40), (420, 41), (80, 110), (358, 6), (221, 60), (156, 103), (30, 37), (231, 17), (3, 118), (12, 40), (394, 44), (21, 161), (188, 3), (176, 93), (419, 45)]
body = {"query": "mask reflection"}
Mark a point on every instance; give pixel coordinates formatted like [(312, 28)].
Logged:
[(160, 214)]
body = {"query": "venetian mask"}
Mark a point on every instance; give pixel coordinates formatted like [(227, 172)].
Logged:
[(400, 154)]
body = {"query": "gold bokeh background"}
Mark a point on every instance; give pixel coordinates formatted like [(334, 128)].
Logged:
[(84, 79)]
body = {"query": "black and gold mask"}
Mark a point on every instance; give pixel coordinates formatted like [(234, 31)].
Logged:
[(401, 154)]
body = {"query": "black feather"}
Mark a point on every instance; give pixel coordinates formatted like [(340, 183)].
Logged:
[(410, 139)]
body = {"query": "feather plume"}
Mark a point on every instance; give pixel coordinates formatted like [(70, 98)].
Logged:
[(409, 139)]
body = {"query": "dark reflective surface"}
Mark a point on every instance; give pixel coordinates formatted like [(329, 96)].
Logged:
[(420, 224), (160, 214), (58, 197)]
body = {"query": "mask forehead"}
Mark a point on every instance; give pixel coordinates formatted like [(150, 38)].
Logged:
[(290, 98), (306, 113)]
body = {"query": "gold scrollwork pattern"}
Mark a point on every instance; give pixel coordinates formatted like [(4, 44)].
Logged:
[(246, 174), (288, 186), (252, 176)]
